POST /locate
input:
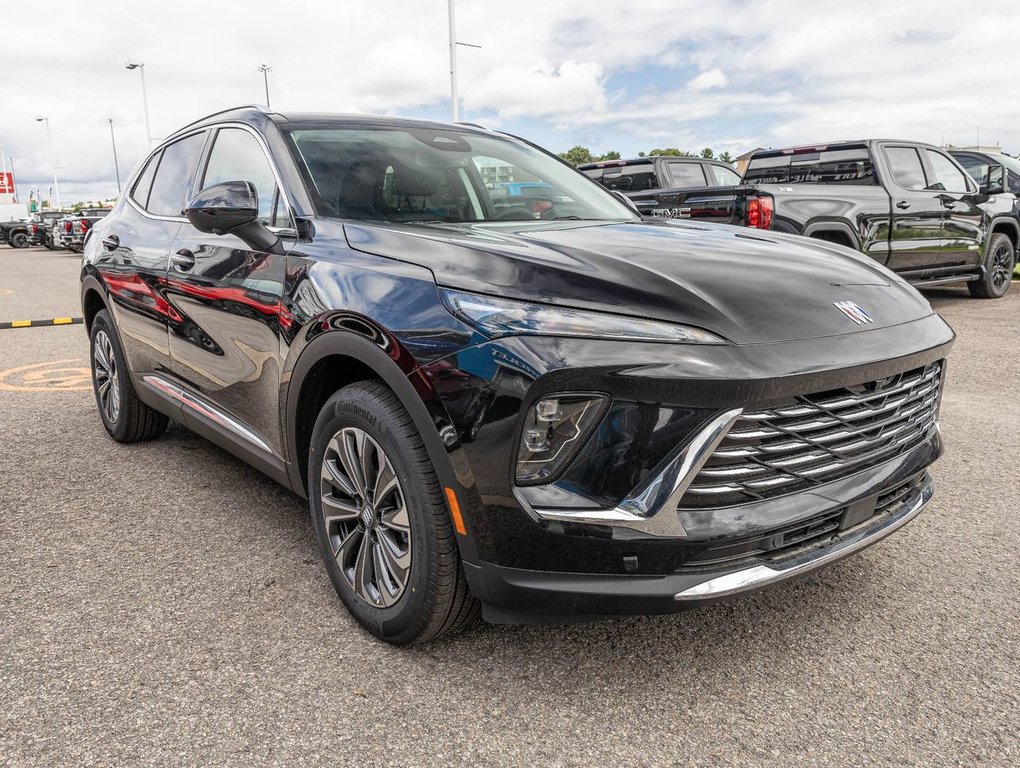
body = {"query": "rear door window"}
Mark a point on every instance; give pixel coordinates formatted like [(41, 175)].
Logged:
[(686, 174), (631, 178), (175, 175), (832, 166), (906, 168), (140, 192)]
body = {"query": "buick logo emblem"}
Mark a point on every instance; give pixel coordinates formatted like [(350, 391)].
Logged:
[(854, 311)]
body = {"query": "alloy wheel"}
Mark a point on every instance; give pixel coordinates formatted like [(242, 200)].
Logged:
[(1002, 265), (365, 517), (107, 383)]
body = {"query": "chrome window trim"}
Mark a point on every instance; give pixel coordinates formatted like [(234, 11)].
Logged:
[(129, 197), (204, 167)]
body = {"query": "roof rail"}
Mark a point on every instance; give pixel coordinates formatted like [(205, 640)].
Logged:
[(259, 107)]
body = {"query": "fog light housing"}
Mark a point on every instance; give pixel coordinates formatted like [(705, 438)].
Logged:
[(555, 427)]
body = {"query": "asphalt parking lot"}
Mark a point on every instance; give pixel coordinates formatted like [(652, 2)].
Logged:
[(164, 604)]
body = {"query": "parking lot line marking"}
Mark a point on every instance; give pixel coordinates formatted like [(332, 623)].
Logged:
[(36, 323)]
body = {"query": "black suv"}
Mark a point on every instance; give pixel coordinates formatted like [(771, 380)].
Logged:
[(542, 407)]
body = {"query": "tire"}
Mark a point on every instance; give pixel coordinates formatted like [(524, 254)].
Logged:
[(998, 271), (409, 520), (19, 240), (48, 242), (126, 418)]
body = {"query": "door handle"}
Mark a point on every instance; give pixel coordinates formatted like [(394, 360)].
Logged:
[(183, 260), (950, 204), (903, 204), (111, 242)]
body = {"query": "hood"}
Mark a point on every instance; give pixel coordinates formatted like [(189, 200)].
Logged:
[(742, 284)]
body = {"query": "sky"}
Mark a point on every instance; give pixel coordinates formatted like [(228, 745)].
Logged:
[(625, 76)]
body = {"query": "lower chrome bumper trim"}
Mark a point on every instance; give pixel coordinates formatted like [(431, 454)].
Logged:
[(762, 575)]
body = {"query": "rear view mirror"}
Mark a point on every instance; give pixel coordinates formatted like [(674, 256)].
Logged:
[(222, 207), (994, 183)]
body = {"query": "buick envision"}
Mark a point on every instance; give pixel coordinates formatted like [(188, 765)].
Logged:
[(497, 386)]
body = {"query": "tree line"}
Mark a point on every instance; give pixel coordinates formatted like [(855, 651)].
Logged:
[(578, 155)]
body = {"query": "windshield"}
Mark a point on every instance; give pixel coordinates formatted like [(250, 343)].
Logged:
[(1010, 162), (436, 175)]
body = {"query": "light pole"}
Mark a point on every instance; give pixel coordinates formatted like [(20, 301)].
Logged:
[(49, 142), (116, 166), (140, 66), (265, 70), (454, 113)]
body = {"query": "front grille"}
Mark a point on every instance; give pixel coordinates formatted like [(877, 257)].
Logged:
[(818, 438)]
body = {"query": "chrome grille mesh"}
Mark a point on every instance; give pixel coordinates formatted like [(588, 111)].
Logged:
[(818, 438)]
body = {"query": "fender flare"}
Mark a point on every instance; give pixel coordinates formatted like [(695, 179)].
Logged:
[(416, 394), (92, 283), (1010, 223), (833, 226)]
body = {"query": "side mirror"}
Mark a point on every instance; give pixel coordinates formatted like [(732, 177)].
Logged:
[(994, 183), (232, 207), (222, 207)]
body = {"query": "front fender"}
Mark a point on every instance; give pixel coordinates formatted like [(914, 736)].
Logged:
[(398, 370)]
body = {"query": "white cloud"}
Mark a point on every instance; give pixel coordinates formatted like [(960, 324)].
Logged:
[(694, 75), (710, 78)]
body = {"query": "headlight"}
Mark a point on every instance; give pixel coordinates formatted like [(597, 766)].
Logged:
[(555, 427), (503, 317)]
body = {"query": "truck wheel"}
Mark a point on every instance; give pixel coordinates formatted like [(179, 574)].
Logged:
[(19, 240), (998, 272), (49, 243)]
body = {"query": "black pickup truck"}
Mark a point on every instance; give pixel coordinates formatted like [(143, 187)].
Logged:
[(15, 234), (908, 205), (663, 186)]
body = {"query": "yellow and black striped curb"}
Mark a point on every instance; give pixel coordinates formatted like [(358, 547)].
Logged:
[(37, 323)]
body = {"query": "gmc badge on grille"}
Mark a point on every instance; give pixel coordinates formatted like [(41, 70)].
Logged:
[(854, 311)]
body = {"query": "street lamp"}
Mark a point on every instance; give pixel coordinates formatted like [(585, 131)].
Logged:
[(265, 70), (453, 63), (116, 166), (49, 142), (140, 66)]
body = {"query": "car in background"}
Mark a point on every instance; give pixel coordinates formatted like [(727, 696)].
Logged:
[(577, 414), (62, 231), (15, 233), (906, 204), (41, 228), (668, 187), (82, 224), (990, 170)]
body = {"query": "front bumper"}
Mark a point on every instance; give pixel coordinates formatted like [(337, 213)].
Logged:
[(541, 551), (519, 596)]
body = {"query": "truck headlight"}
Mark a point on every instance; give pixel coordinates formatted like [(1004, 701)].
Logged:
[(555, 427), (504, 317)]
